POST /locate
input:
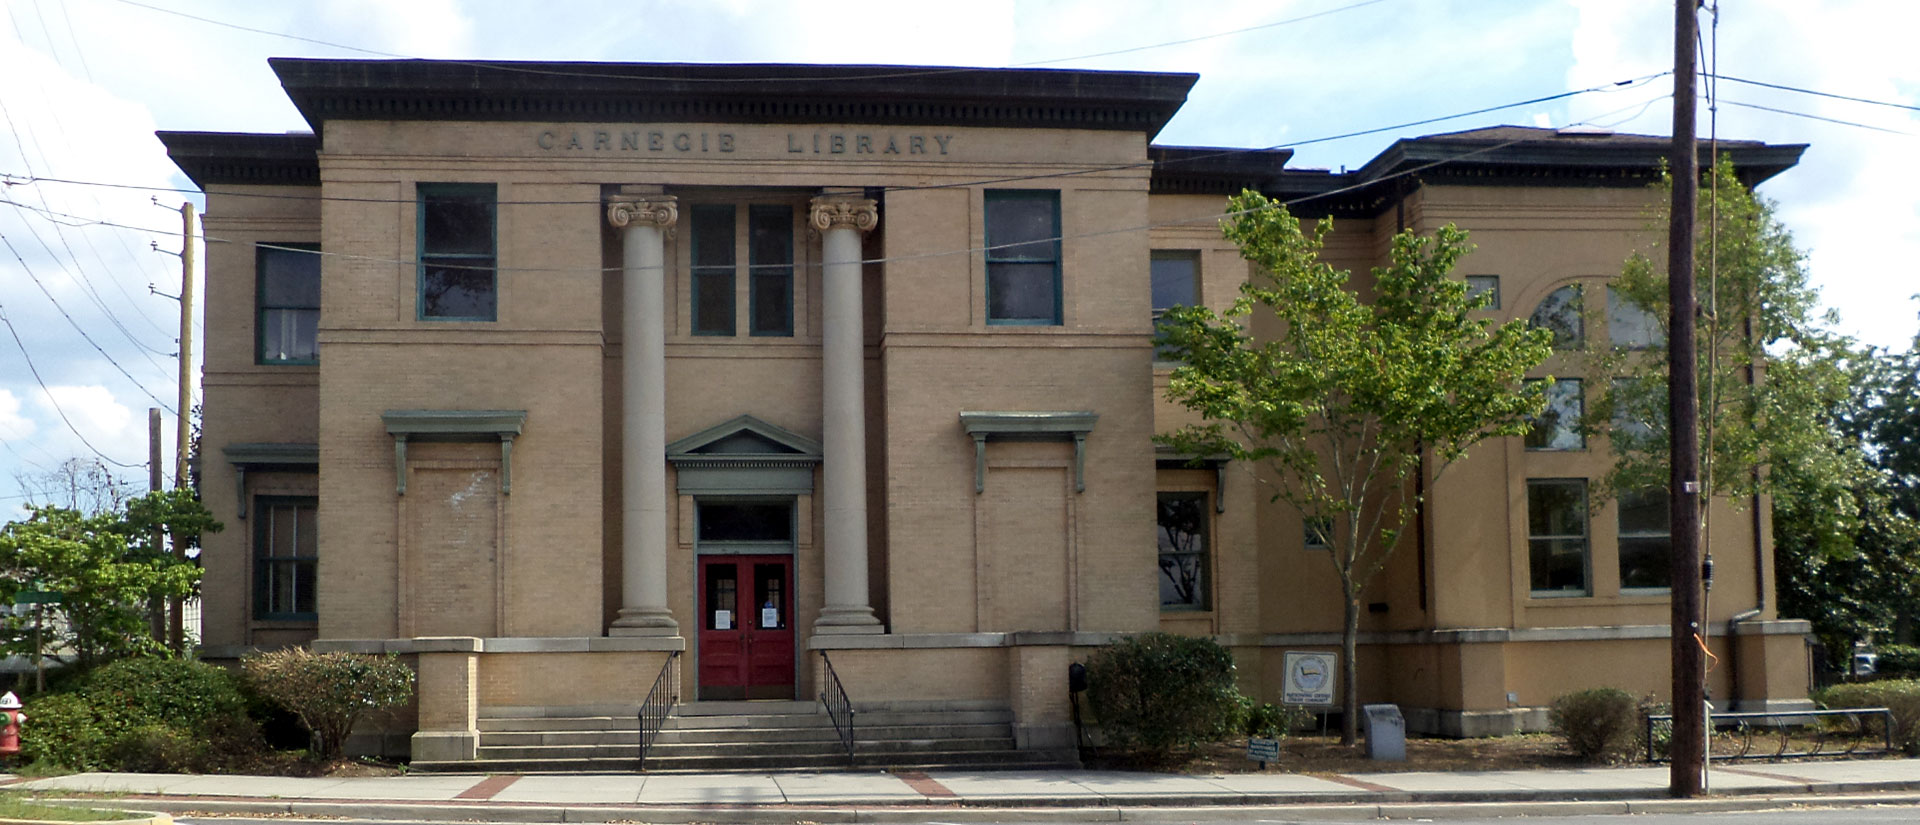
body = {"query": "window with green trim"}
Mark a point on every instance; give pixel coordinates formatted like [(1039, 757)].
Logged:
[(285, 558), (713, 259), (770, 270), (287, 302), (1183, 551), (1023, 256), (1558, 564), (457, 252)]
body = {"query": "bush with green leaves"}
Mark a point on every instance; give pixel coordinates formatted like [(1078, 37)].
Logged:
[(1270, 721), (1599, 724), (1898, 660), (329, 692), (1159, 691), (149, 715), (1901, 696)]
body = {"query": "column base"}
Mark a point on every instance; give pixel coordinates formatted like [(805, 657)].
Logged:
[(847, 621), (644, 621)]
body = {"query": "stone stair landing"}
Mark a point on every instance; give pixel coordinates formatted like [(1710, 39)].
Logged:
[(706, 737)]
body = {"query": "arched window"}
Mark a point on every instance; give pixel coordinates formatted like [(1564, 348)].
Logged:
[(1560, 312)]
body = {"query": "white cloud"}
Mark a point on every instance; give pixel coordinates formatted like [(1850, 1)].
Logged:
[(13, 425)]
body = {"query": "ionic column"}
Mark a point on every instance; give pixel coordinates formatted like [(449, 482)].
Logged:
[(841, 219), (645, 222)]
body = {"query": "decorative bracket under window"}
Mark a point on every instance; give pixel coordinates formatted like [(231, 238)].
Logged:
[(295, 458), (1029, 426), (453, 425)]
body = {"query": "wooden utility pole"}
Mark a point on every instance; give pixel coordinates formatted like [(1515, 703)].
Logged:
[(156, 615), (183, 441), (1688, 746)]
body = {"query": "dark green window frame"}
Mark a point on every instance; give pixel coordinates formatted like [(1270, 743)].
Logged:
[(712, 266), (284, 578), (1185, 563), (262, 256), (770, 268), (435, 264), (1557, 536), (1006, 254)]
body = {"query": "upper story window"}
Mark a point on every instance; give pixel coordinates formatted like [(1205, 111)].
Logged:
[(457, 256), (716, 256), (287, 300), (1560, 312), (1558, 426), (1176, 281), (1487, 286), (1630, 326), (1023, 256)]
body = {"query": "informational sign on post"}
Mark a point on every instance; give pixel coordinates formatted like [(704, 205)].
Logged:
[(1309, 678)]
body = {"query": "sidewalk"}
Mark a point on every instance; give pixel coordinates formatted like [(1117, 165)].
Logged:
[(987, 796)]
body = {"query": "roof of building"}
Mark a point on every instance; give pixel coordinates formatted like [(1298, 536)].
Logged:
[(1563, 156), (326, 89)]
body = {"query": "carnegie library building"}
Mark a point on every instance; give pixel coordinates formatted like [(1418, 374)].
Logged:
[(737, 386)]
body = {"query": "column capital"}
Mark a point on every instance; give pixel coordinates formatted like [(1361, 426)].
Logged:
[(843, 212), (658, 210)]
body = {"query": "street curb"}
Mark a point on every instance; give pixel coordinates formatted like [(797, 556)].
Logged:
[(1548, 803)]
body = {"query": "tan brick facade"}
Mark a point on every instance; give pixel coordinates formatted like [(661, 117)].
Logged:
[(998, 549)]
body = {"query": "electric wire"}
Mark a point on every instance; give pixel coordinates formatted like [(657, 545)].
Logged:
[(55, 402), (510, 67), (413, 262), (1850, 98), (76, 324), (1615, 86)]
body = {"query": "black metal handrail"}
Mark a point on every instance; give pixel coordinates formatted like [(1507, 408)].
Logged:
[(659, 703), (1822, 724), (833, 695)]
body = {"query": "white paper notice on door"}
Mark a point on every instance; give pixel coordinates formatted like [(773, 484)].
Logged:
[(769, 617), (722, 620)]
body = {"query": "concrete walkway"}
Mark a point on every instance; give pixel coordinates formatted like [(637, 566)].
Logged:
[(988, 796)]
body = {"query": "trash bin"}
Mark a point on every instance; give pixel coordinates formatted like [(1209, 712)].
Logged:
[(1386, 733)]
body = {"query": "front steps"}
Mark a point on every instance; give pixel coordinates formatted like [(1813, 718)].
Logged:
[(707, 737)]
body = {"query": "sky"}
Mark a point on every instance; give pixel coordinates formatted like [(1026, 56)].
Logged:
[(88, 270)]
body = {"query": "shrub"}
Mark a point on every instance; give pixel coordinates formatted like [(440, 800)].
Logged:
[(1598, 724), (329, 692), (1901, 696), (1160, 691), (1270, 721), (153, 715), (1898, 660)]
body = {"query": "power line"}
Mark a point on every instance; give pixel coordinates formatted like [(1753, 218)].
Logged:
[(49, 393), (76, 325), (510, 67), (1615, 86), (1822, 118), (1796, 89), (917, 256)]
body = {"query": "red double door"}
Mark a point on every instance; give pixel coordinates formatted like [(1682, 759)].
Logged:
[(746, 627)]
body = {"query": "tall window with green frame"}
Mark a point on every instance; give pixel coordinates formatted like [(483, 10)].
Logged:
[(712, 269), (1023, 256), (285, 558), (770, 270), (457, 252), (287, 297)]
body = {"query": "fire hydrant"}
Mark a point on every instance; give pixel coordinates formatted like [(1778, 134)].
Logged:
[(10, 730)]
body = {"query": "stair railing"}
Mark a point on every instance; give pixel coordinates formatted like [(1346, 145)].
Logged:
[(659, 703), (839, 707)]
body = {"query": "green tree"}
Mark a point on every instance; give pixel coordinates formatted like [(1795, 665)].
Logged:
[(1348, 398), (1782, 407), (105, 567)]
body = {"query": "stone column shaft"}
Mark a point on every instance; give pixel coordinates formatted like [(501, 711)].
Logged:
[(645, 224), (843, 441)]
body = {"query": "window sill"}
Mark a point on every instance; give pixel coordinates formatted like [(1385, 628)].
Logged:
[(285, 622), (1550, 596)]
